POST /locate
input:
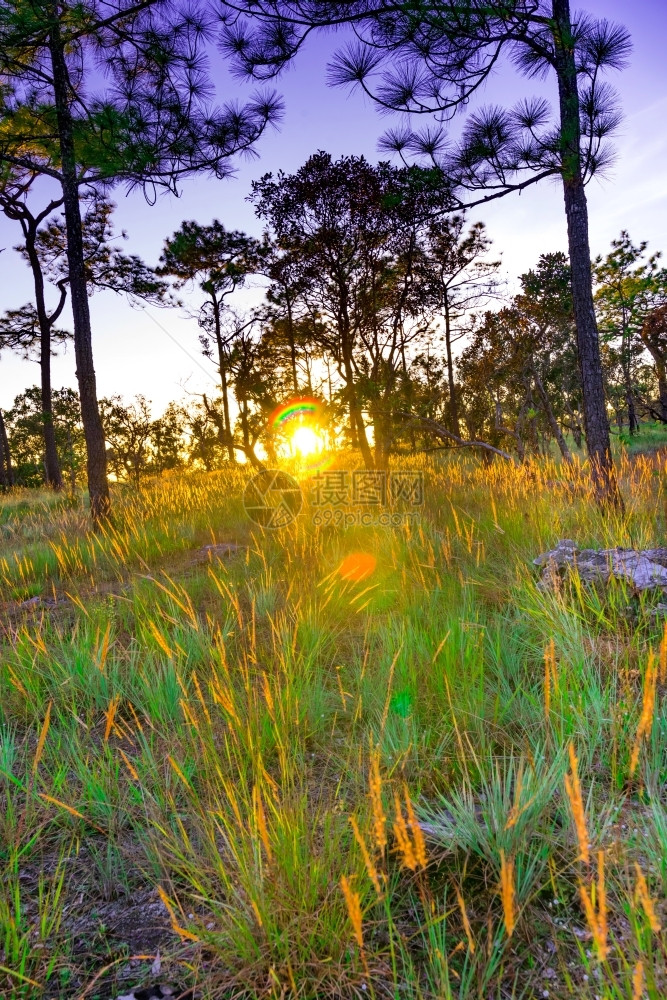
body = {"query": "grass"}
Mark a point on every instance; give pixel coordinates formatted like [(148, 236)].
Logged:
[(255, 777), (650, 437)]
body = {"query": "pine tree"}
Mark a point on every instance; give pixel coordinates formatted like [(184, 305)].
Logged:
[(429, 60), (99, 93)]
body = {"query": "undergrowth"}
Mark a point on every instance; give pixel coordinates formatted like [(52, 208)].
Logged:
[(432, 781)]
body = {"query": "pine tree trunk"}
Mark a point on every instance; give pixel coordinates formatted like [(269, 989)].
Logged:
[(222, 368), (596, 425), (292, 344), (453, 403), (53, 474), (662, 390), (357, 425), (96, 459), (52, 470), (6, 470), (661, 375), (551, 417)]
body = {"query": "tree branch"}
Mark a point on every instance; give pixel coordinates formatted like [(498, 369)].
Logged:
[(441, 431)]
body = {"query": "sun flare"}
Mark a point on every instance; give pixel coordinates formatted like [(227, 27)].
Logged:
[(306, 441)]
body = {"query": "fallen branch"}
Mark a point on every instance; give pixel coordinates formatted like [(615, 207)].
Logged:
[(440, 431)]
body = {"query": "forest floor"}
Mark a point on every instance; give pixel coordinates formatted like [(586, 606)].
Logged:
[(332, 761)]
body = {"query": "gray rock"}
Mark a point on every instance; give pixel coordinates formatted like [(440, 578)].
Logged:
[(638, 568), (219, 550), (32, 602), (658, 614), (39, 602), (656, 555), (562, 555)]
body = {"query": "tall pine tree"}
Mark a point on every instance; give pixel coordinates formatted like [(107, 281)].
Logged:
[(101, 92)]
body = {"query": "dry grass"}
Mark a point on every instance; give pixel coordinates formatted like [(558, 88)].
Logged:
[(321, 786)]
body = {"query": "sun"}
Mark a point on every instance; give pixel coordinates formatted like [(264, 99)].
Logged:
[(306, 441)]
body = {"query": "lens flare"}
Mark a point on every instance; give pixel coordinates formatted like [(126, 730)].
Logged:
[(306, 441), (295, 409), (302, 419), (357, 566)]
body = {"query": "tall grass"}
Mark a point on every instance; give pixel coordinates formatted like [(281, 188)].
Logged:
[(437, 781)]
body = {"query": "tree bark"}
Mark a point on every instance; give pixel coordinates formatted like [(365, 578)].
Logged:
[(357, 426), (53, 474), (222, 368), (596, 424), (662, 389), (551, 417), (453, 403), (96, 458), (653, 337), (633, 422), (292, 344), (6, 470)]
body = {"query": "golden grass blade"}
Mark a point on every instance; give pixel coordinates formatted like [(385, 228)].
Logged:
[(573, 790), (377, 807), (353, 903), (507, 893), (642, 895), (365, 853), (466, 922), (42, 738)]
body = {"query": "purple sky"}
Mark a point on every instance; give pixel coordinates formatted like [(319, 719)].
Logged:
[(133, 354)]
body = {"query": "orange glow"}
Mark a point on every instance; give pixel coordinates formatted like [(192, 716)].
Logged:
[(306, 441), (357, 566)]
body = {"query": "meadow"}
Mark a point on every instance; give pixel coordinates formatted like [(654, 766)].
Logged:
[(255, 776)]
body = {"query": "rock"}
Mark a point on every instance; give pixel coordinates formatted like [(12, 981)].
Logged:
[(658, 614), (158, 992), (638, 569), (643, 570), (39, 602), (32, 602), (219, 550), (656, 555), (562, 555)]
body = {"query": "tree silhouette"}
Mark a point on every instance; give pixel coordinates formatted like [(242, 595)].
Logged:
[(6, 470), (106, 92), (33, 326), (107, 268), (31, 330), (463, 277), (654, 336), (353, 234), (219, 260), (26, 426), (432, 59), (629, 287), (33, 334)]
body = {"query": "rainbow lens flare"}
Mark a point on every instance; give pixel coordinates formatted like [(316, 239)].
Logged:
[(295, 409), (301, 419)]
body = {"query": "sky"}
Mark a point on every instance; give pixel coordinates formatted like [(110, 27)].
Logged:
[(155, 351)]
